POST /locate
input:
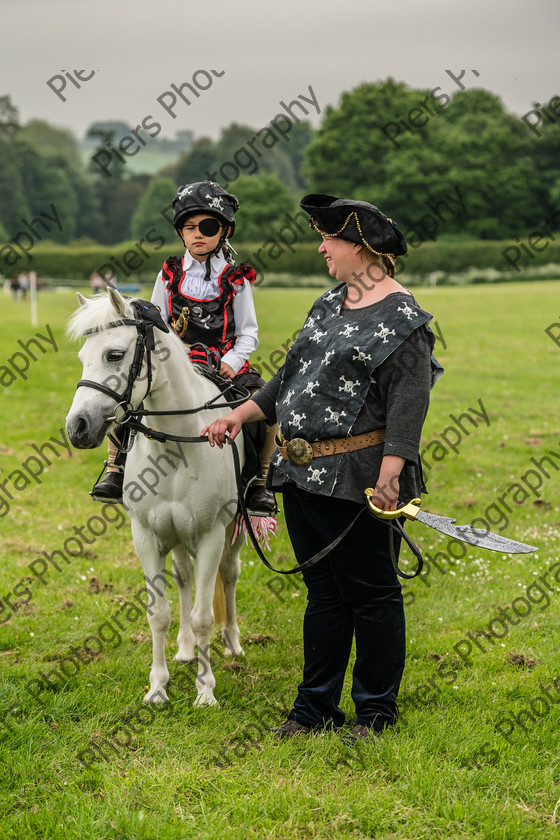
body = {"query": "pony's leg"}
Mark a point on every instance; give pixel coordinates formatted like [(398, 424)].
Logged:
[(206, 562), (185, 639), (230, 568), (159, 614)]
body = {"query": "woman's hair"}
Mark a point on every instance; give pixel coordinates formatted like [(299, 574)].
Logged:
[(383, 260)]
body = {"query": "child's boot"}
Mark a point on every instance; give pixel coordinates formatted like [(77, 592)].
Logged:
[(260, 500), (109, 489)]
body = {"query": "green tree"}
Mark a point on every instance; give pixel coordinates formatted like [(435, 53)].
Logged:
[(352, 147), (406, 151), (194, 165), (148, 214), (298, 141), (51, 171), (9, 117), (14, 205), (488, 157), (51, 141), (544, 149), (264, 202), (116, 194)]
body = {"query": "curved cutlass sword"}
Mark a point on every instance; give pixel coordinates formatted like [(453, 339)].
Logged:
[(465, 533)]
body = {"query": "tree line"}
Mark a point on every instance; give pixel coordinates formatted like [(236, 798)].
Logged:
[(402, 148)]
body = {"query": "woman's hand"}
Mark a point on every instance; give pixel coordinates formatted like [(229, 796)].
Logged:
[(217, 430), (386, 491), (386, 496), (231, 423)]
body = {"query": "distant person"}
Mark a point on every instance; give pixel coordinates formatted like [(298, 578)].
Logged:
[(15, 287), (24, 284), (96, 282)]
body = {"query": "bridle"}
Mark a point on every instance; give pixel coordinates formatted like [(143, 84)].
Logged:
[(145, 344), (124, 413)]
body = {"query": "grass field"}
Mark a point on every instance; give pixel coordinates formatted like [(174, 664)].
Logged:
[(475, 753)]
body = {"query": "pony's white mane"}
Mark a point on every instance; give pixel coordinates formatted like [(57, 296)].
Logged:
[(98, 313)]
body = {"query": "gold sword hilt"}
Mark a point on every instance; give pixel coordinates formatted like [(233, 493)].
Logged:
[(181, 324), (409, 511)]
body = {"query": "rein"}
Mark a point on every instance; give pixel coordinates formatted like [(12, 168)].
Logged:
[(145, 344)]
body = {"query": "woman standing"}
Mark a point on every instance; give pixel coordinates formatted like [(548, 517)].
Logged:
[(350, 401)]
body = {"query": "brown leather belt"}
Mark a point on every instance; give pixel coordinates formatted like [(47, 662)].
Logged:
[(301, 453)]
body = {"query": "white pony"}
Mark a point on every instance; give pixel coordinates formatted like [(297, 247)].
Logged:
[(192, 513)]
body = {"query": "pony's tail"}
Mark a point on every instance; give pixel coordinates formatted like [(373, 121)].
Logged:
[(219, 600)]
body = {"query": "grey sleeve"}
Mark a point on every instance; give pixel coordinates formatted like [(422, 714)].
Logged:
[(403, 382), (266, 396)]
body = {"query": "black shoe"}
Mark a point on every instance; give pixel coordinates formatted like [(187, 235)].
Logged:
[(261, 501), (109, 489), (289, 729), (361, 732)]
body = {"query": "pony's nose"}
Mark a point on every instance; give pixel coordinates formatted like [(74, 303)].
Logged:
[(78, 431)]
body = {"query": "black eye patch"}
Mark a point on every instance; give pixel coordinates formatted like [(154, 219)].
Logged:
[(209, 227)]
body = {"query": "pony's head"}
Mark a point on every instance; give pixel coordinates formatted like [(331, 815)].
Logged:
[(113, 331)]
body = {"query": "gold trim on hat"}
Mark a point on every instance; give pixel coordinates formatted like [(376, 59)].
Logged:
[(314, 226)]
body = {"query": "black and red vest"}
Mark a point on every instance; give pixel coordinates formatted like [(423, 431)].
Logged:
[(210, 321)]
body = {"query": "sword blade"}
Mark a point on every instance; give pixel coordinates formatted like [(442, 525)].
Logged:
[(474, 536)]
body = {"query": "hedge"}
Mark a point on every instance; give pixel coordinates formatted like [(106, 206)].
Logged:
[(134, 265)]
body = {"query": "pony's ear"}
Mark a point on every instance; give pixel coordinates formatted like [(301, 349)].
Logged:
[(117, 300), (82, 300)]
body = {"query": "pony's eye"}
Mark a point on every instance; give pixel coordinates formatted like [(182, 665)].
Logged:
[(115, 355)]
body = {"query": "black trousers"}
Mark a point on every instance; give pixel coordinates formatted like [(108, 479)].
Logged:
[(352, 592)]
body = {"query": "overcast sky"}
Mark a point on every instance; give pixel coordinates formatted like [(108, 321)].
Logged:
[(267, 52)]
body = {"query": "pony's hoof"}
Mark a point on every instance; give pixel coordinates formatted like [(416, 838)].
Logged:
[(206, 699), (185, 657), (237, 652), (159, 696)]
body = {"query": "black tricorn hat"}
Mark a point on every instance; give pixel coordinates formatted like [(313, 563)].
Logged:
[(355, 221)]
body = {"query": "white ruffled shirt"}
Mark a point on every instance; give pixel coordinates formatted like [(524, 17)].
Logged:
[(194, 285)]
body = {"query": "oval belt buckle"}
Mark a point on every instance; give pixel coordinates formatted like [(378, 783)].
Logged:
[(299, 452)]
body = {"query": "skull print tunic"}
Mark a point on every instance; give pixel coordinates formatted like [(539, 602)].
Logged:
[(328, 388)]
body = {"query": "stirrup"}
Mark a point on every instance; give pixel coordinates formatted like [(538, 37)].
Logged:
[(256, 510), (107, 499)]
